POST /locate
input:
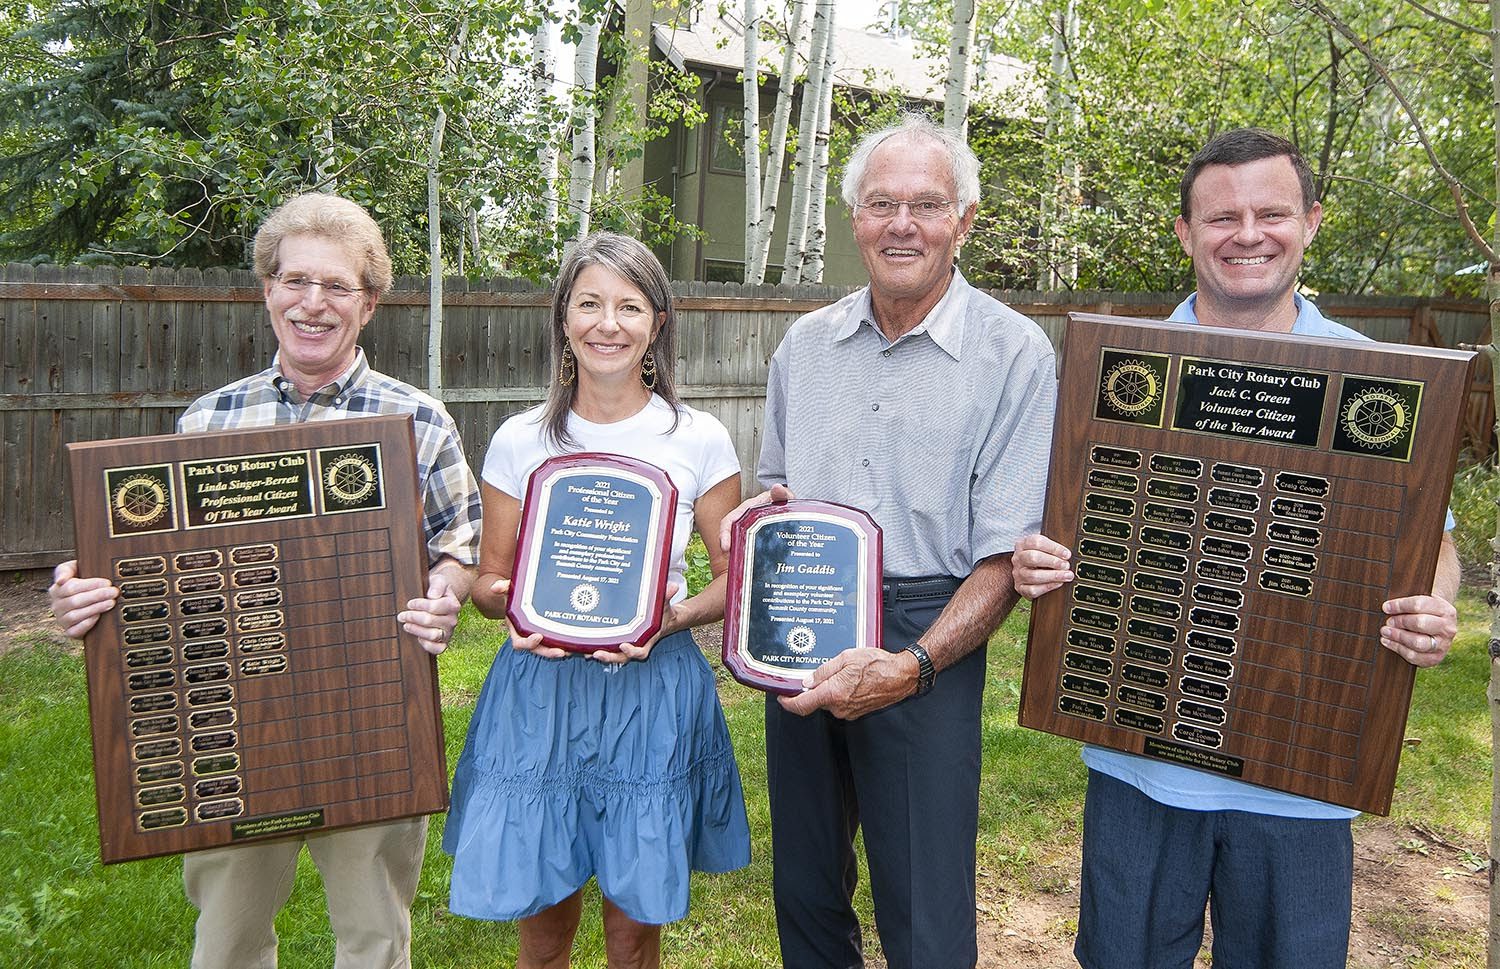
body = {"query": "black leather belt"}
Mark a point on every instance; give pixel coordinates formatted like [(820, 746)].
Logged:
[(923, 587)]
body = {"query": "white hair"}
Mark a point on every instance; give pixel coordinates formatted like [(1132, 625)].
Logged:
[(963, 165)]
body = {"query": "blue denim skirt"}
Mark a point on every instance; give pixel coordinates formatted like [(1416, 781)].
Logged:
[(574, 768)]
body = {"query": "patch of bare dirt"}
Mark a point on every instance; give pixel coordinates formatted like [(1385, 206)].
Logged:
[(23, 609)]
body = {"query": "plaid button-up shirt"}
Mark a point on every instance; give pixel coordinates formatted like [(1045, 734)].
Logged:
[(450, 496)]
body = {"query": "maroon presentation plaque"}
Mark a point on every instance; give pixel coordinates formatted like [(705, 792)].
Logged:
[(1239, 505), (252, 679), (593, 552), (804, 585)]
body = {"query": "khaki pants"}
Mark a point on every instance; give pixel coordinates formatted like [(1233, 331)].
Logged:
[(369, 875)]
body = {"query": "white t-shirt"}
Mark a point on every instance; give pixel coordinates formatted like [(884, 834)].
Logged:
[(696, 456)]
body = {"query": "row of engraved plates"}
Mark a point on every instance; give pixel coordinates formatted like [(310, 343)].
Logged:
[(219, 619), (1164, 552)]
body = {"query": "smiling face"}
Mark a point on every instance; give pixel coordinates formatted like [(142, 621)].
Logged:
[(1246, 234), (317, 336), (909, 260), (609, 325)]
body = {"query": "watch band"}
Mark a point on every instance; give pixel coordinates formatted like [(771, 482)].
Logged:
[(926, 672)]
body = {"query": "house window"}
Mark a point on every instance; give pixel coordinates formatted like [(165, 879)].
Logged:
[(726, 148), (730, 271), (689, 145), (723, 271)]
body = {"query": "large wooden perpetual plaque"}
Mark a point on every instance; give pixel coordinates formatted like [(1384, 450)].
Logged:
[(252, 680), (1239, 505)]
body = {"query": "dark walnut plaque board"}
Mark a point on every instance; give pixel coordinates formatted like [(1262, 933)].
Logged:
[(252, 679), (1239, 505)]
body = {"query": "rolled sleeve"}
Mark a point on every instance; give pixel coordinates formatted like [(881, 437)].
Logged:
[(450, 497)]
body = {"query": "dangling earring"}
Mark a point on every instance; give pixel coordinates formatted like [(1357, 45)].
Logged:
[(567, 369), (648, 371)]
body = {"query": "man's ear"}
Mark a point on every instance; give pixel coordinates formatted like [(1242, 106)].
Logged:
[(1314, 220)]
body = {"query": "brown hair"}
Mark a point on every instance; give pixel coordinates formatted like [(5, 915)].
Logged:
[(1242, 146), (330, 217), (633, 262)]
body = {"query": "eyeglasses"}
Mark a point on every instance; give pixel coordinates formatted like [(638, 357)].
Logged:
[(337, 292), (883, 209)]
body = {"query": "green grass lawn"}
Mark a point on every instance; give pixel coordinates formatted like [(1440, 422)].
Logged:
[(60, 907)]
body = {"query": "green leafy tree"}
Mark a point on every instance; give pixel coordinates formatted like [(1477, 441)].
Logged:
[(143, 132), (1083, 160)]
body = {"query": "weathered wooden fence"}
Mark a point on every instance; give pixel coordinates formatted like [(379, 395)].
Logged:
[(90, 354)]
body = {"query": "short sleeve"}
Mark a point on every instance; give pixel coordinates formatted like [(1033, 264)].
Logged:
[(718, 459), (504, 468), (771, 468), (1010, 476)]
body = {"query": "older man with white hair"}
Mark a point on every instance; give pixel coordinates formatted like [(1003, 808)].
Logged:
[(929, 405)]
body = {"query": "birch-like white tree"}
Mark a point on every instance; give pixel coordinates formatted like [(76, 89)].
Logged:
[(581, 173), (819, 76), (750, 129), (817, 202), (543, 75), (1059, 270), (960, 56), (435, 223), (759, 252)]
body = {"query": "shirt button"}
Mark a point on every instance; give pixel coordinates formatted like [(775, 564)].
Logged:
[(886, 352), (865, 463), (874, 407)]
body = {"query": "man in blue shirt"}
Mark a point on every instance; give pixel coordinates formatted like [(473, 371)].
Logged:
[(1161, 840)]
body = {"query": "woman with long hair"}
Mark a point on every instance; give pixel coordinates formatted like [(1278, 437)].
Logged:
[(615, 765)]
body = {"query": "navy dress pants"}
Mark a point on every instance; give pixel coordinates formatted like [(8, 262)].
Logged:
[(907, 774)]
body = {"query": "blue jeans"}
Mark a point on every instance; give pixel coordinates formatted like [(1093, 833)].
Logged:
[(1278, 889)]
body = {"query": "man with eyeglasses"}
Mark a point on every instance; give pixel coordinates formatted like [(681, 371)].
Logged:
[(1161, 842), (929, 405), (324, 266)]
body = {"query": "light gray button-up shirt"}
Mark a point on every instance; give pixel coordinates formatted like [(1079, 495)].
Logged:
[(942, 436)]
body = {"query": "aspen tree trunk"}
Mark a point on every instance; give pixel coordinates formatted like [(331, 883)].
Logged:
[(776, 151), (326, 166), (822, 38), (435, 229), (581, 182), (960, 49), (750, 125), (1061, 269), (542, 73), (817, 202)]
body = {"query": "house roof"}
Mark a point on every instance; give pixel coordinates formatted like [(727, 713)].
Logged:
[(862, 59)]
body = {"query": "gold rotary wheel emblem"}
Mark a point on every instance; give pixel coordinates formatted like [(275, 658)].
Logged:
[(140, 500), (1376, 417), (350, 479), (1131, 387)]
